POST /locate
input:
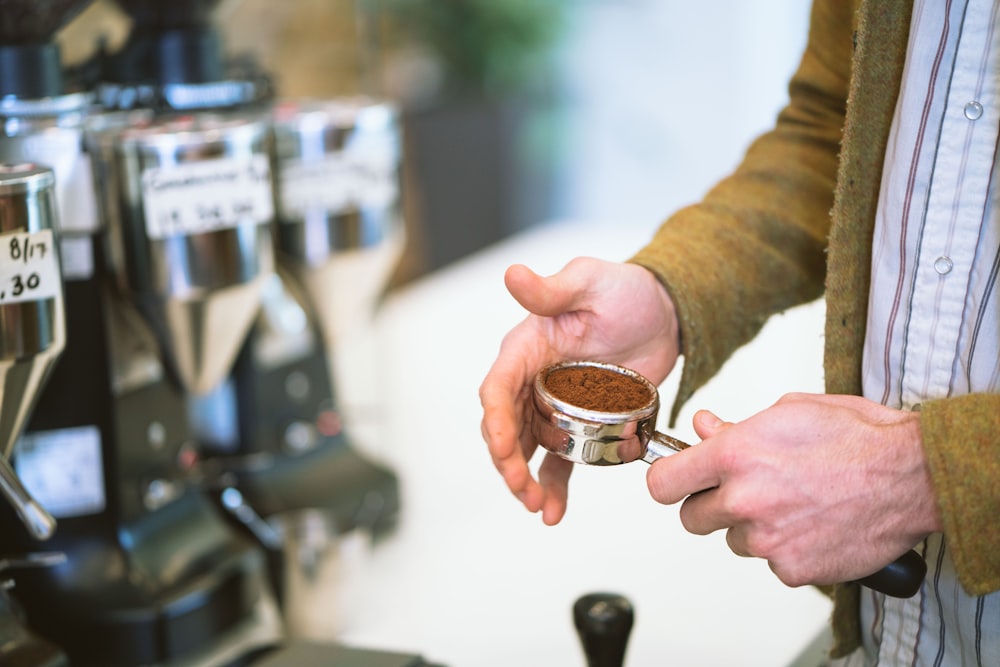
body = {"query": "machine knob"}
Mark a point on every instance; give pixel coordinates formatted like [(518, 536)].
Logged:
[(603, 621)]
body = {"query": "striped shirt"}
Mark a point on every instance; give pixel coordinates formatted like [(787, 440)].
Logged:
[(933, 328)]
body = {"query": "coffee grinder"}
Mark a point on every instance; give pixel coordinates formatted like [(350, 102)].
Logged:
[(271, 433), (32, 318), (32, 336), (268, 432), (153, 573), (339, 235)]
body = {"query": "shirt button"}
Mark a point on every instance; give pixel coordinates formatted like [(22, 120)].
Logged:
[(973, 110), (943, 265)]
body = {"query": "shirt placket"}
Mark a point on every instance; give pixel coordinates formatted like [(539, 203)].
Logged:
[(958, 201)]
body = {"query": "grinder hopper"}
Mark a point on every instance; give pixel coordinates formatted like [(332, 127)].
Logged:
[(340, 231), (188, 198), (189, 203)]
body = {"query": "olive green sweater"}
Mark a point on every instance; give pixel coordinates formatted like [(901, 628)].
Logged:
[(794, 221)]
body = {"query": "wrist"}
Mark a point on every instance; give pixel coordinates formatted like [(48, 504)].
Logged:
[(669, 308)]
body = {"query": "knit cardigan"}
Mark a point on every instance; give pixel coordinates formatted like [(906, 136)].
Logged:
[(794, 222)]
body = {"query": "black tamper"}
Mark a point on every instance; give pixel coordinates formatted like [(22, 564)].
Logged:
[(603, 621)]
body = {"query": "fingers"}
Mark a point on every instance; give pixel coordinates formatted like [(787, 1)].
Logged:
[(511, 462), (547, 494), (505, 392), (736, 544), (673, 478), (693, 476), (502, 413), (554, 477), (704, 513), (505, 396), (707, 424), (502, 426)]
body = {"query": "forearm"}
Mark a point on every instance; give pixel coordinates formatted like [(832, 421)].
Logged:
[(755, 245)]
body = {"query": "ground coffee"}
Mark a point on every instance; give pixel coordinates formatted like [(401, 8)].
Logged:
[(597, 388)]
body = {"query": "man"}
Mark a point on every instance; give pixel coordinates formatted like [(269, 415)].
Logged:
[(878, 186)]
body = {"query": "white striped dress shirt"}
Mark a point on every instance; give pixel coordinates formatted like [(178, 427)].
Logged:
[(933, 328)]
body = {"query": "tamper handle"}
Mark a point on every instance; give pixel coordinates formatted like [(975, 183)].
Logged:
[(900, 578), (603, 621)]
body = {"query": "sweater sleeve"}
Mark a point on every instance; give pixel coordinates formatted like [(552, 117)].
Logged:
[(961, 437), (754, 245)]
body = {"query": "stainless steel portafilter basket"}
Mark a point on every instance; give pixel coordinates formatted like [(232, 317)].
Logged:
[(597, 437)]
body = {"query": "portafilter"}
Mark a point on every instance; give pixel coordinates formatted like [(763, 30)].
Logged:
[(605, 414)]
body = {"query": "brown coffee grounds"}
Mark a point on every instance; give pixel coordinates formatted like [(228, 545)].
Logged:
[(596, 388)]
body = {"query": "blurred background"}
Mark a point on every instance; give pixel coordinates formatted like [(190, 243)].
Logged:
[(249, 434), (519, 112)]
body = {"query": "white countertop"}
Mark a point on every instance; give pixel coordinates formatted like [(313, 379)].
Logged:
[(469, 578)]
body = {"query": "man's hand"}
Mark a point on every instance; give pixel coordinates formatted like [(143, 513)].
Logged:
[(590, 310), (825, 488)]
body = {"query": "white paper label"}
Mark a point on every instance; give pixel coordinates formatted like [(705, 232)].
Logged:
[(63, 470), (199, 197), (339, 182), (29, 267)]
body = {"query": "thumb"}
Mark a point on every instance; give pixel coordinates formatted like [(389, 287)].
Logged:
[(538, 295), (707, 424)]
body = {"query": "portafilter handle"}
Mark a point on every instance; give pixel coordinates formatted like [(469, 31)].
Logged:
[(899, 579), (603, 621), (604, 438)]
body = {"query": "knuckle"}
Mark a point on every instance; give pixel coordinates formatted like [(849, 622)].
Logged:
[(761, 544), (789, 573), (791, 398), (739, 506)]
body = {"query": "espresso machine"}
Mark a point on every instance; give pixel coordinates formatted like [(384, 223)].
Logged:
[(338, 236)]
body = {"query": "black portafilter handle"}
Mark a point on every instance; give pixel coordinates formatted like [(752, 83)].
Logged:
[(900, 578), (603, 621)]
